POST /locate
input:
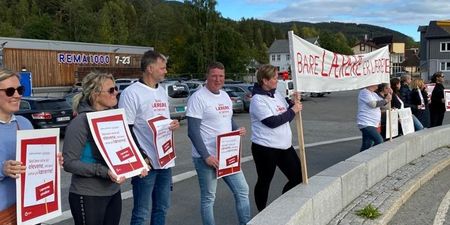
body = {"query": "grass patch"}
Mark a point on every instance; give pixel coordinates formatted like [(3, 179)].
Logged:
[(368, 212)]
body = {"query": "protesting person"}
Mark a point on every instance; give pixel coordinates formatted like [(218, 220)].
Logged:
[(404, 92), (369, 116), (437, 105), (10, 94), (270, 115), (142, 101), (398, 103), (419, 102), (383, 90), (94, 193), (209, 114)]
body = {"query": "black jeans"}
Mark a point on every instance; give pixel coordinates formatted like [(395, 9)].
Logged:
[(266, 160), (96, 210)]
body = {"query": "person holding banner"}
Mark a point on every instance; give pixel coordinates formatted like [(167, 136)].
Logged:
[(437, 105), (10, 94), (94, 193), (209, 114), (369, 116), (142, 101), (270, 115), (419, 101)]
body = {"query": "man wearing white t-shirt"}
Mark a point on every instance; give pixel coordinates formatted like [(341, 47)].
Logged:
[(209, 113), (143, 100)]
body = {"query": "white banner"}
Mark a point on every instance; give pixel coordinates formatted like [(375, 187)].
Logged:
[(315, 69)]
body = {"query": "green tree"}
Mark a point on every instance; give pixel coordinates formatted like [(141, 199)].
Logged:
[(38, 28)]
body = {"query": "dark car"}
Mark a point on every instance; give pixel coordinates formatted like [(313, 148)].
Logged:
[(46, 112), (244, 90)]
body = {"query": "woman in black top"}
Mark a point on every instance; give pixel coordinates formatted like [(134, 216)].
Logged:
[(437, 105), (419, 102)]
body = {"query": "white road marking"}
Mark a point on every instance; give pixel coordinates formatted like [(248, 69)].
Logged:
[(186, 175), (439, 219)]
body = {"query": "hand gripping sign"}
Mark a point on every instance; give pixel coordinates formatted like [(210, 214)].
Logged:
[(113, 138), (38, 189)]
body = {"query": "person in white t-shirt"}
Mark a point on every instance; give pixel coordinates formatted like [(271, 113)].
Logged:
[(143, 100), (209, 113), (270, 115), (368, 116)]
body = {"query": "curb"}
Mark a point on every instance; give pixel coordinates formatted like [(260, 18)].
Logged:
[(391, 204), (412, 187)]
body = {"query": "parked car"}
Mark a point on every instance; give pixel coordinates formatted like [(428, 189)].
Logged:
[(125, 80), (178, 94), (244, 90), (238, 104), (46, 112), (285, 88), (194, 85)]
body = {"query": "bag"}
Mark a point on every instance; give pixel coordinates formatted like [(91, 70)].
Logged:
[(8, 216)]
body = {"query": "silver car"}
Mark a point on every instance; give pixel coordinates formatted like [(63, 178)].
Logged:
[(178, 94)]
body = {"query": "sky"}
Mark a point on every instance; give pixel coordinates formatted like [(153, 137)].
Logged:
[(400, 15)]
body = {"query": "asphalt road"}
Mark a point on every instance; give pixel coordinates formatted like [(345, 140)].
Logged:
[(327, 118)]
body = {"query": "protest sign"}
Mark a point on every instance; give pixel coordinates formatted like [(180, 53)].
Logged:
[(406, 120), (315, 69), (117, 147), (38, 189), (228, 153), (163, 139)]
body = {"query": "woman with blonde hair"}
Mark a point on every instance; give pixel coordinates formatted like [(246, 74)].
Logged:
[(10, 94), (94, 193), (270, 116), (419, 102)]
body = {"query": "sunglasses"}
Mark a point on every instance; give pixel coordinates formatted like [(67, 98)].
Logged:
[(10, 91), (111, 90)]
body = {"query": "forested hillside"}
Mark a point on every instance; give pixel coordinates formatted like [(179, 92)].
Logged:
[(192, 33)]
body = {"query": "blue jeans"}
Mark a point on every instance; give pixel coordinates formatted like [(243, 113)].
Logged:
[(370, 137), (417, 124), (208, 184), (152, 191)]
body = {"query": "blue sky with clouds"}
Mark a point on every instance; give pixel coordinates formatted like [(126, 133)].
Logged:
[(400, 15)]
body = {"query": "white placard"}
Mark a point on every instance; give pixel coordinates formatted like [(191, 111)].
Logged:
[(38, 190), (406, 120), (163, 139), (393, 125), (228, 153), (115, 143)]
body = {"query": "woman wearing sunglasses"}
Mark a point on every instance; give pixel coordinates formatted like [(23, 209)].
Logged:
[(10, 93), (94, 193)]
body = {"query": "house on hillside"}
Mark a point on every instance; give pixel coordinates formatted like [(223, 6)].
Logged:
[(364, 46), (396, 50), (434, 48), (279, 55)]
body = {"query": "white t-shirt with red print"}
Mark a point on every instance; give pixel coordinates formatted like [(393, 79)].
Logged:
[(215, 112), (141, 103), (262, 107)]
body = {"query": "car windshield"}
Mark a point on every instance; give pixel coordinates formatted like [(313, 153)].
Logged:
[(178, 91)]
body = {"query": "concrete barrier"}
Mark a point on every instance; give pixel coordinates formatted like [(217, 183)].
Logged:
[(329, 191)]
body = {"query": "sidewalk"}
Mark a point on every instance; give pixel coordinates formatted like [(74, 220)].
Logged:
[(393, 191)]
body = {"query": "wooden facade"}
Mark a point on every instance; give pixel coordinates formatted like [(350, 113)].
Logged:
[(69, 62)]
